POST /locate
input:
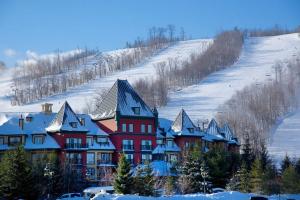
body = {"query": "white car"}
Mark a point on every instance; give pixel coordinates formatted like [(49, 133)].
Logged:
[(70, 196)]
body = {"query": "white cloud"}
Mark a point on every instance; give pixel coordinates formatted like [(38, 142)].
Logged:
[(31, 54), (10, 52)]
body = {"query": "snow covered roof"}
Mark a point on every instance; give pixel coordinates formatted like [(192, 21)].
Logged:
[(91, 126), (159, 168), (66, 120), (123, 99), (36, 126), (163, 148), (183, 126), (214, 129)]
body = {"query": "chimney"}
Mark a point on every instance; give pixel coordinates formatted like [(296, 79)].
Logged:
[(21, 122), (47, 108)]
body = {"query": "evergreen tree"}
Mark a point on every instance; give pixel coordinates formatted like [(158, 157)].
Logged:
[(16, 180), (169, 186), (286, 162), (297, 166), (256, 175), (290, 181), (271, 183), (247, 155), (244, 178), (123, 179), (219, 166), (234, 182), (143, 181), (264, 157)]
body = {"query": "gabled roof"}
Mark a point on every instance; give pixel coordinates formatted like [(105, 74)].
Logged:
[(122, 98), (214, 129), (183, 125), (63, 120)]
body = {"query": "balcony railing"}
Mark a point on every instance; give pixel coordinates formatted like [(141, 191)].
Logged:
[(75, 146), (76, 161), (128, 147), (100, 162), (146, 147)]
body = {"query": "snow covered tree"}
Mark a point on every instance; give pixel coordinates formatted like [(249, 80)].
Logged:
[(16, 180), (256, 175), (286, 162), (234, 182), (123, 179), (290, 181), (143, 181)]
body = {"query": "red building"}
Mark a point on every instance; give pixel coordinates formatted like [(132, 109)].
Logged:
[(129, 121)]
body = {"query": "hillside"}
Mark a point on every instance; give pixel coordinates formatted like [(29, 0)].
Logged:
[(77, 96), (201, 101)]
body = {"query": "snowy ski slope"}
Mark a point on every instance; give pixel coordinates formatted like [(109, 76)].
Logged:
[(202, 100), (285, 139), (77, 96)]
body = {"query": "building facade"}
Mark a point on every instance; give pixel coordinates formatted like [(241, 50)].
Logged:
[(124, 123)]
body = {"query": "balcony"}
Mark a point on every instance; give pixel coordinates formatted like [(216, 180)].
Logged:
[(127, 147), (75, 146), (104, 162), (146, 147), (75, 161)]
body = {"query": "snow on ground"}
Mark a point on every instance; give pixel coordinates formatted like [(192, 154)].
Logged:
[(77, 96), (201, 101), (286, 138), (217, 196)]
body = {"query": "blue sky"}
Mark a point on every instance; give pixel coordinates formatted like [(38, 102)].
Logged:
[(45, 26)]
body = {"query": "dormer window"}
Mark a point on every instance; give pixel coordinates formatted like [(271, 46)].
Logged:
[(38, 139), (82, 121), (191, 130), (73, 124), (136, 110), (28, 118)]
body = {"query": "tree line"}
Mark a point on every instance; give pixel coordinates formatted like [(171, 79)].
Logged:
[(45, 76), (200, 172), (253, 111), (173, 75), (275, 30)]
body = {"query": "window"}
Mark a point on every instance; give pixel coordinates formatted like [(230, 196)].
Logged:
[(130, 128), (74, 143), (191, 130), (127, 144), (14, 140), (104, 158), (90, 158), (89, 141), (149, 128), (73, 124), (129, 157), (146, 158), (1, 140), (124, 128), (91, 173), (102, 140), (159, 142), (74, 158), (143, 128), (28, 119), (136, 110), (146, 145), (170, 143), (173, 158), (38, 139)]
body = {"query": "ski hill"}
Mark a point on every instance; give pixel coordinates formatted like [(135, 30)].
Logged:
[(79, 95)]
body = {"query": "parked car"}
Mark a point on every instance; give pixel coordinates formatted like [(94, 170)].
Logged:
[(70, 196), (216, 190), (258, 198), (90, 192)]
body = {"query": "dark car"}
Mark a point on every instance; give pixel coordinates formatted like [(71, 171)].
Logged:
[(258, 198)]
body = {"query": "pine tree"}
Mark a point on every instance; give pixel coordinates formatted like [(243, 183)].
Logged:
[(247, 155), (169, 185), (123, 179), (234, 182), (148, 180), (264, 156), (16, 180), (244, 178), (271, 184), (290, 181), (256, 175), (286, 162), (297, 166)]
